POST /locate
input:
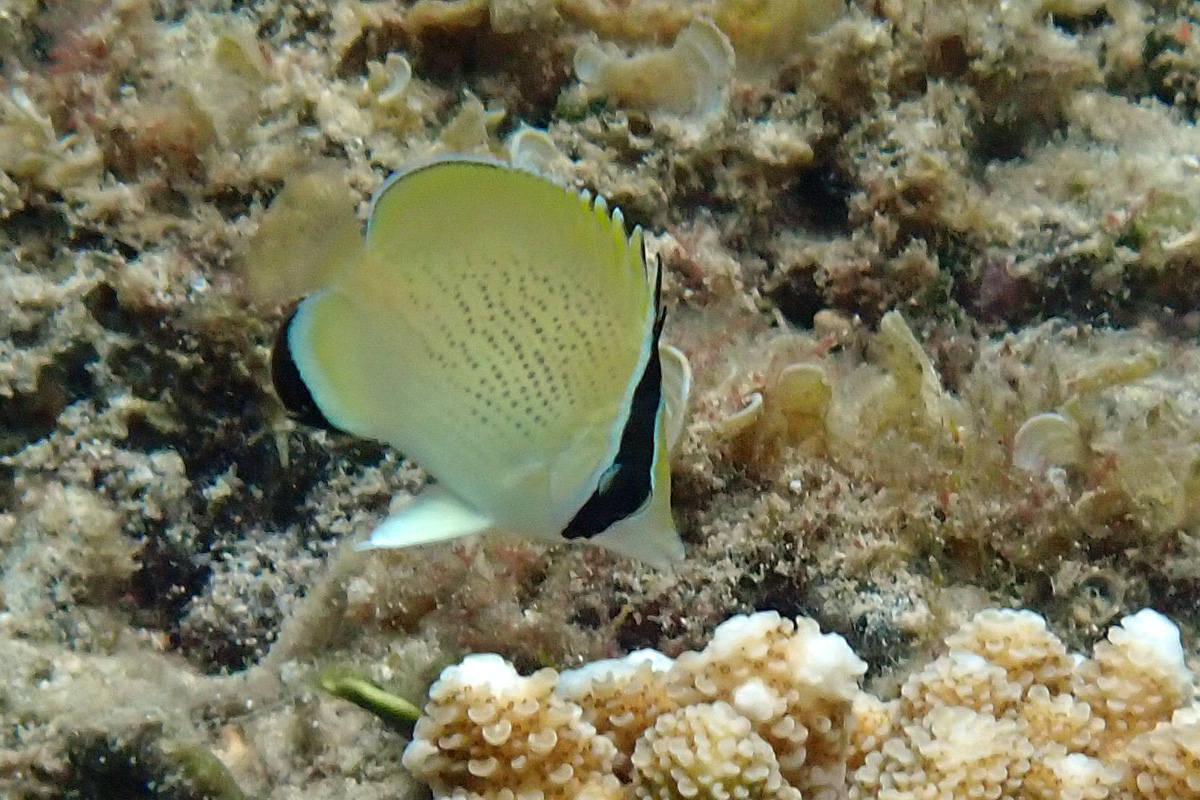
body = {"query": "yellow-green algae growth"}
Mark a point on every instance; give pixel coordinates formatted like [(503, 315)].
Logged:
[(907, 230)]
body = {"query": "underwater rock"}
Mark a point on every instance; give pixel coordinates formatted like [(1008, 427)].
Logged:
[(770, 32)]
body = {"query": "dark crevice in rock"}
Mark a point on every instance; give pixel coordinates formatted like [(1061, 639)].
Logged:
[(26, 417)]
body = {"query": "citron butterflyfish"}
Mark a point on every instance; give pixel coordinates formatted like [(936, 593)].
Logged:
[(502, 331)]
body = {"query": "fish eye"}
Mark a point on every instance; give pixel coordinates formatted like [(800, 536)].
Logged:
[(289, 386)]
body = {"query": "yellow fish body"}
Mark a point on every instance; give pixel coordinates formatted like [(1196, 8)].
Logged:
[(503, 332)]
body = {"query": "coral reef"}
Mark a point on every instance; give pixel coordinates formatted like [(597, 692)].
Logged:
[(1008, 712), (762, 711), (934, 266), (490, 727), (1004, 712), (706, 750)]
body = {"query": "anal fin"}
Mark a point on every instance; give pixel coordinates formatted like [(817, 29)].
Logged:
[(435, 516)]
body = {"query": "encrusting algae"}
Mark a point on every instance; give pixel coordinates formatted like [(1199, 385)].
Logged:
[(933, 268)]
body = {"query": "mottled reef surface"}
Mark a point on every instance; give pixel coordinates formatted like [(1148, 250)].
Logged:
[(1019, 181)]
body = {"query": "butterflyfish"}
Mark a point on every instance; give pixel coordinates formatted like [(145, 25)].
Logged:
[(502, 331)]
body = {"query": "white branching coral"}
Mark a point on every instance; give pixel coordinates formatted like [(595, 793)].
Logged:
[(952, 752), (1070, 776), (1020, 643), (772, 710), (706, 752), (1059, 721), (1137, 677), (963, 679), (1008, 712), (620, 697), (795, 684), (491, 734), (762, 712), (872, 722), (1166, 761)]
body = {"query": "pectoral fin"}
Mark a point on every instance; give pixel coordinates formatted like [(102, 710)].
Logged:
[(435, 516)]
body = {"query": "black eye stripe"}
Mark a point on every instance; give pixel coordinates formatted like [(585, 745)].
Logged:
[(289, 386)]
